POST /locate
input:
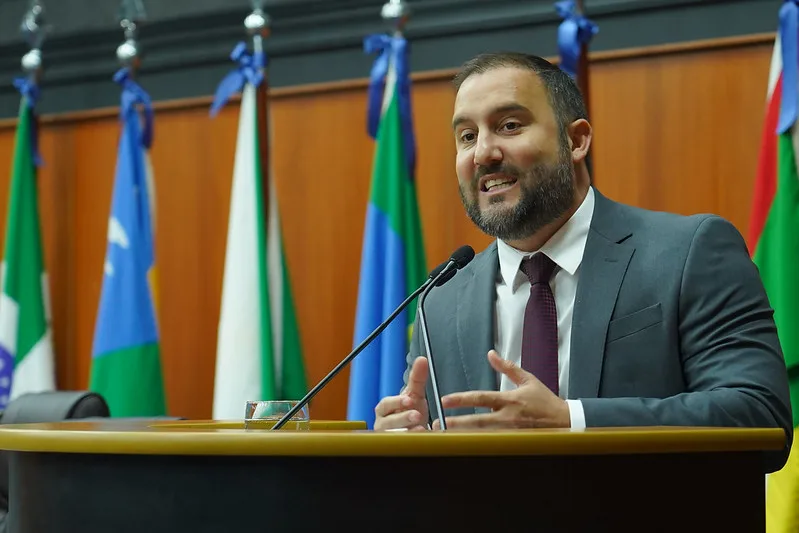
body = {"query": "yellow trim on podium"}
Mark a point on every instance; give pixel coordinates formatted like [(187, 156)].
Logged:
[(333, 438)]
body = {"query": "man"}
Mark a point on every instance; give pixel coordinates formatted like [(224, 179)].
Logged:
[(584, 312)]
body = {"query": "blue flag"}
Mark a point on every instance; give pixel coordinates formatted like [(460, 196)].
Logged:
[(393, 259), (126, 367)]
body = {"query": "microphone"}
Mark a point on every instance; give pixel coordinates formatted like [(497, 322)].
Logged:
[(440, 275), (460, 258)]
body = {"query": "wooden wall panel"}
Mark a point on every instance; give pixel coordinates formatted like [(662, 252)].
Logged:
[(674, 131), (193, 161), (322, 168), (57, 202), (681, 132)]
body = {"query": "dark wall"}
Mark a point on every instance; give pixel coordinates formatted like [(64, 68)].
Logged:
[(187, 42)]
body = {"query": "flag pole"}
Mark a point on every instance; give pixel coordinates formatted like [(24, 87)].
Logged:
[(34, 32), (574, 35), (396, 13), (585, 86), (129, 52), (582, 65), (258, 25)]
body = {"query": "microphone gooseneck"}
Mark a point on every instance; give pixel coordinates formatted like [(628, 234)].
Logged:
[(333, 373), (444, 272), (458, 260)]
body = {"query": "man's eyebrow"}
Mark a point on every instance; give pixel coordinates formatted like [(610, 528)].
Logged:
[(460, 119)]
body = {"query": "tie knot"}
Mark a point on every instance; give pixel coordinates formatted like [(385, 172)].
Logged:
[(538, 268)]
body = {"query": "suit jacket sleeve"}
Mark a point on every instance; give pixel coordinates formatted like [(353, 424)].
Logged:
[(732, 362)]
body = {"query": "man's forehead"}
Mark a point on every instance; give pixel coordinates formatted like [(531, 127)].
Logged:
[(499, 87), (505, 79)]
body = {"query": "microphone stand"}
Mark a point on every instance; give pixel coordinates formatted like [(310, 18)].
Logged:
[(429, 351), (426, 286)]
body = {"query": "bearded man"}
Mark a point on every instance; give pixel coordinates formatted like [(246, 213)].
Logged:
[(583, 312)]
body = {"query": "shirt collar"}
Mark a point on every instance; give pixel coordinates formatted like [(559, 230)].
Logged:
[(565, 247)]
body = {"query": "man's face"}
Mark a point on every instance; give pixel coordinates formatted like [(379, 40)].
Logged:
[(513, 161)]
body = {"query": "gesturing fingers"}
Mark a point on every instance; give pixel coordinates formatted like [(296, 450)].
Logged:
[(405, 419), (489, 420), (391, 404), (516, 374), (417, 378), (490, 399)]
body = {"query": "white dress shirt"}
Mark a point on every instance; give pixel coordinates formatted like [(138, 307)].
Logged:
[(565, 249)]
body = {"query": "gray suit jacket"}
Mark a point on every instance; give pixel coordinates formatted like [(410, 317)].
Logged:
[(671, 327)]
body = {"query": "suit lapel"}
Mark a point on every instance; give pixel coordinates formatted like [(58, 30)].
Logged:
[(475, 321), (602, 270)]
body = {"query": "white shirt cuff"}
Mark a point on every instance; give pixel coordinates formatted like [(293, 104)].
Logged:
[(576, 414)]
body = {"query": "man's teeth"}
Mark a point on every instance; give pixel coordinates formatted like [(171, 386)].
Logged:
[(490, 184)]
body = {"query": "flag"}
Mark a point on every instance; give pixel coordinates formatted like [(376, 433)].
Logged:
[(126, 359), (774, 241), (259, 354), (26, 351), (393, 259)]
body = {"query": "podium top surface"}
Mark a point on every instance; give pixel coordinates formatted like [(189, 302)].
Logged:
[(150, 437)]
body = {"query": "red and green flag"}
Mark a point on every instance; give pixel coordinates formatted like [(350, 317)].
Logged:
[(774, 242)]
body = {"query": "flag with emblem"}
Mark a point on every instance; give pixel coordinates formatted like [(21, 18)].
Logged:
[(26, 351), (126, 362)]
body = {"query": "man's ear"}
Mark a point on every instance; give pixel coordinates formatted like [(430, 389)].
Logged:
[(580, 134)]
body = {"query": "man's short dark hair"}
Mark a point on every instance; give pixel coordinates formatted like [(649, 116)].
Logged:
[(564, 95)]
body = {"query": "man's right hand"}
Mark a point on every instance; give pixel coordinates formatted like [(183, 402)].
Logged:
[(409, 409)]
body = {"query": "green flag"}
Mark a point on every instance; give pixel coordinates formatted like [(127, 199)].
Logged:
[(259, 355), (26, 353)]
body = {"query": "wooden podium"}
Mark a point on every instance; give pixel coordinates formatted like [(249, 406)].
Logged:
[(193, 476)]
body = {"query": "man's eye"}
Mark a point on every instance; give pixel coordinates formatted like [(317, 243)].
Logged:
[(467, 137)]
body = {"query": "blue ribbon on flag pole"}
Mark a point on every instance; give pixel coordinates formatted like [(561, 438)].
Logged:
[(132, 94), (30, 91), (789, 42), (573, 32), (391, 50), (248, 70)]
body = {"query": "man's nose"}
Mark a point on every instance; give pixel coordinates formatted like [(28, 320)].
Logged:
[(487, 151)]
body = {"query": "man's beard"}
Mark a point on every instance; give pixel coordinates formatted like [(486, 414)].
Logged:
[(546, 193)]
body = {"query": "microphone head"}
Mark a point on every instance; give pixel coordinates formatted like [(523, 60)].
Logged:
[(462, 256), (459, 259), (436, 271), (446, 277)]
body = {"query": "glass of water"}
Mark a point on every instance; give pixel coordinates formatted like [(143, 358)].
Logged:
[(265, 414)]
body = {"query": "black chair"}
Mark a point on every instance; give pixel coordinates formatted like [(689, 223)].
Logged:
[(54, 406), (36, 407)]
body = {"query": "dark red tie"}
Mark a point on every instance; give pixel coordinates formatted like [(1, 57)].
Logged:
[(540, 333)]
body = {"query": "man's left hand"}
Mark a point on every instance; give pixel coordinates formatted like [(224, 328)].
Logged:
[(530, 405)]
